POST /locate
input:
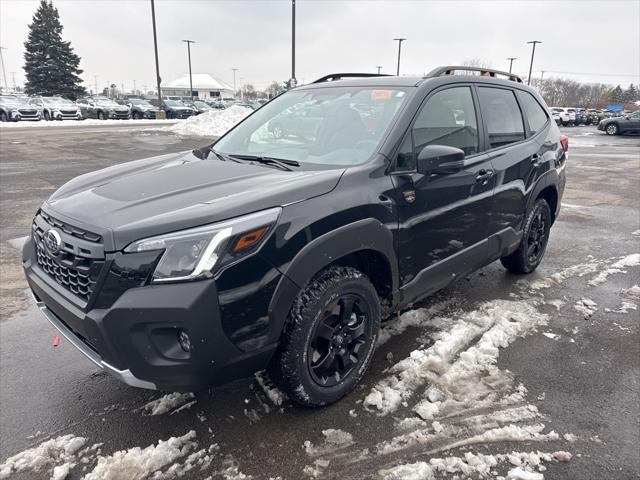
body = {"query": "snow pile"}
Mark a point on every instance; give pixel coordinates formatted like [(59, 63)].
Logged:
[(138, 463), (213, 123), (421, 317), (454, 369), (272, 392), (472, 465), (586, 307), (334, 439), (171, 401), (617, 267), (57, 455)]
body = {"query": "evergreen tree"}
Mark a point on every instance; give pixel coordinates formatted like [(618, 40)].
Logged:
[(617, 95), (631, 94), (51, 66)]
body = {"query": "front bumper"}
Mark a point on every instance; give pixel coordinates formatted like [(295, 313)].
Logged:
[(134, 335)]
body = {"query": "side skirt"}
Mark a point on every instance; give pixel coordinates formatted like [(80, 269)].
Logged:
[(441, 274)]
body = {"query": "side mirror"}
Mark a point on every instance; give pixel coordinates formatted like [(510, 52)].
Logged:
[(440, 159)]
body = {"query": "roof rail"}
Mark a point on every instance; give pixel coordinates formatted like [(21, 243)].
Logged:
[(339, 76), (484, 72)]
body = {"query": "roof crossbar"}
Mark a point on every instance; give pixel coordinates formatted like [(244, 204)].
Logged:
[(339, 76), (484, 72)]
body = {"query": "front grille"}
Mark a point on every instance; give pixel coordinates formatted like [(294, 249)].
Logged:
[(80, 259), (76, 274), (28, 112), (69, 112)]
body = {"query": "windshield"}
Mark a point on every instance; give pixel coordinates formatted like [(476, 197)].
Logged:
[(174, 103), (330, 125), (139, 101), (57, 101), (14, 102), (201, 105), (106, 102)]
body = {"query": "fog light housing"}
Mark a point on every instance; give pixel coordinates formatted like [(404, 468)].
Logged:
[(184, 340)]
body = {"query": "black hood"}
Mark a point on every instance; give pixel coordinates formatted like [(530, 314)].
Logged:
[(163, 194)]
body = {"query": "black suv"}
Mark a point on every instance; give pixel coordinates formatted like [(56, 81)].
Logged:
[(188, 270)]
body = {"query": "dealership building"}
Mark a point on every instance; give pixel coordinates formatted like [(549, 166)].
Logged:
[(204, 86)]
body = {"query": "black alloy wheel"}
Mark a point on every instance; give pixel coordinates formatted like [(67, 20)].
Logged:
[(537, 238), (337, 342)]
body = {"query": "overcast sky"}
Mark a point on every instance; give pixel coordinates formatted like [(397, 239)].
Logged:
[(598, 39)]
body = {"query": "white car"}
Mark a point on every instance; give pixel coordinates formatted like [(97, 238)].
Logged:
[(563, 116), (56, 108)]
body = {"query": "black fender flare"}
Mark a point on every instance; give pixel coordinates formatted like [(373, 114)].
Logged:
[(366, 234), (549, 179)]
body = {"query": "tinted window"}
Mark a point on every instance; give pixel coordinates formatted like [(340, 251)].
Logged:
[(502, 116), (536, 115)]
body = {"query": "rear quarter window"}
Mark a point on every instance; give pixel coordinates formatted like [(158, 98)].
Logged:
[(501, 115), (536, 115)]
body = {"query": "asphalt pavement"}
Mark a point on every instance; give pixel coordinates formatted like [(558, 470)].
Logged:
[(581, 371)]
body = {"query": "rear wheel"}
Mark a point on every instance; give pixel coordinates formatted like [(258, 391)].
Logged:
[(3, 116), (612, 129), (47, 116), (534, 240), (329, 338)]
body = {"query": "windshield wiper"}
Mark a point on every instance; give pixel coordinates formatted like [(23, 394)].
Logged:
[(282, 163)]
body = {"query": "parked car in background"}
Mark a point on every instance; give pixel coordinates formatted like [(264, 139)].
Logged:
[(182, 272), (198, 106), (596, 115), (578, 118), (15, 109), (139, 107), (620, 125), (103, 108), (56, 108), (583, 115), (563, 115), (298, 122), (173, 108)]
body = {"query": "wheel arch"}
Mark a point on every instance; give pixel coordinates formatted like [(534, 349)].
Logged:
[(550, 194), (366, 245)]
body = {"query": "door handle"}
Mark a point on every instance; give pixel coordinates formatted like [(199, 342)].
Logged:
[(484, 175)]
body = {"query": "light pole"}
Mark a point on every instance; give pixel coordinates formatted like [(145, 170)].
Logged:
[(511, 59), (293, 81), (95, 81), (234, 81), (189, 42), (533, 52), (4, 72), (399, 40), (134, 87), (379, 67), (161, 113)]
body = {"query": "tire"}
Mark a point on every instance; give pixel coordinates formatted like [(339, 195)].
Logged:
[(612, 129), (534, 240), (327, 346), (101, 116), (3, 116), (47, 117)]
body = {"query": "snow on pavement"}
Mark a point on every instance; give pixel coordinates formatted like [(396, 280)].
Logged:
[(213, 123), (57, 456), (87, 123), (172, 402)]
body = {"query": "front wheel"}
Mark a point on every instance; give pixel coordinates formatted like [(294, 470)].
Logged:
[(329, 338), (612, 129), (47, 117), (534, 240), (3, 116), (101, 116)]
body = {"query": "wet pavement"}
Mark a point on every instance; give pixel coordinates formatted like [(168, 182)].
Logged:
[(581, 371)]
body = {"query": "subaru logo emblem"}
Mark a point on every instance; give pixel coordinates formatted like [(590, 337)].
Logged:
[(53, 241)]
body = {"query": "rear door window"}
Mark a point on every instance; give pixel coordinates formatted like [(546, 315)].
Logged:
[(501, 115), (536, 115)]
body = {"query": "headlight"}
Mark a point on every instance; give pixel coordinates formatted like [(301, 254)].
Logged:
[(15, 112), (194, 253)]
